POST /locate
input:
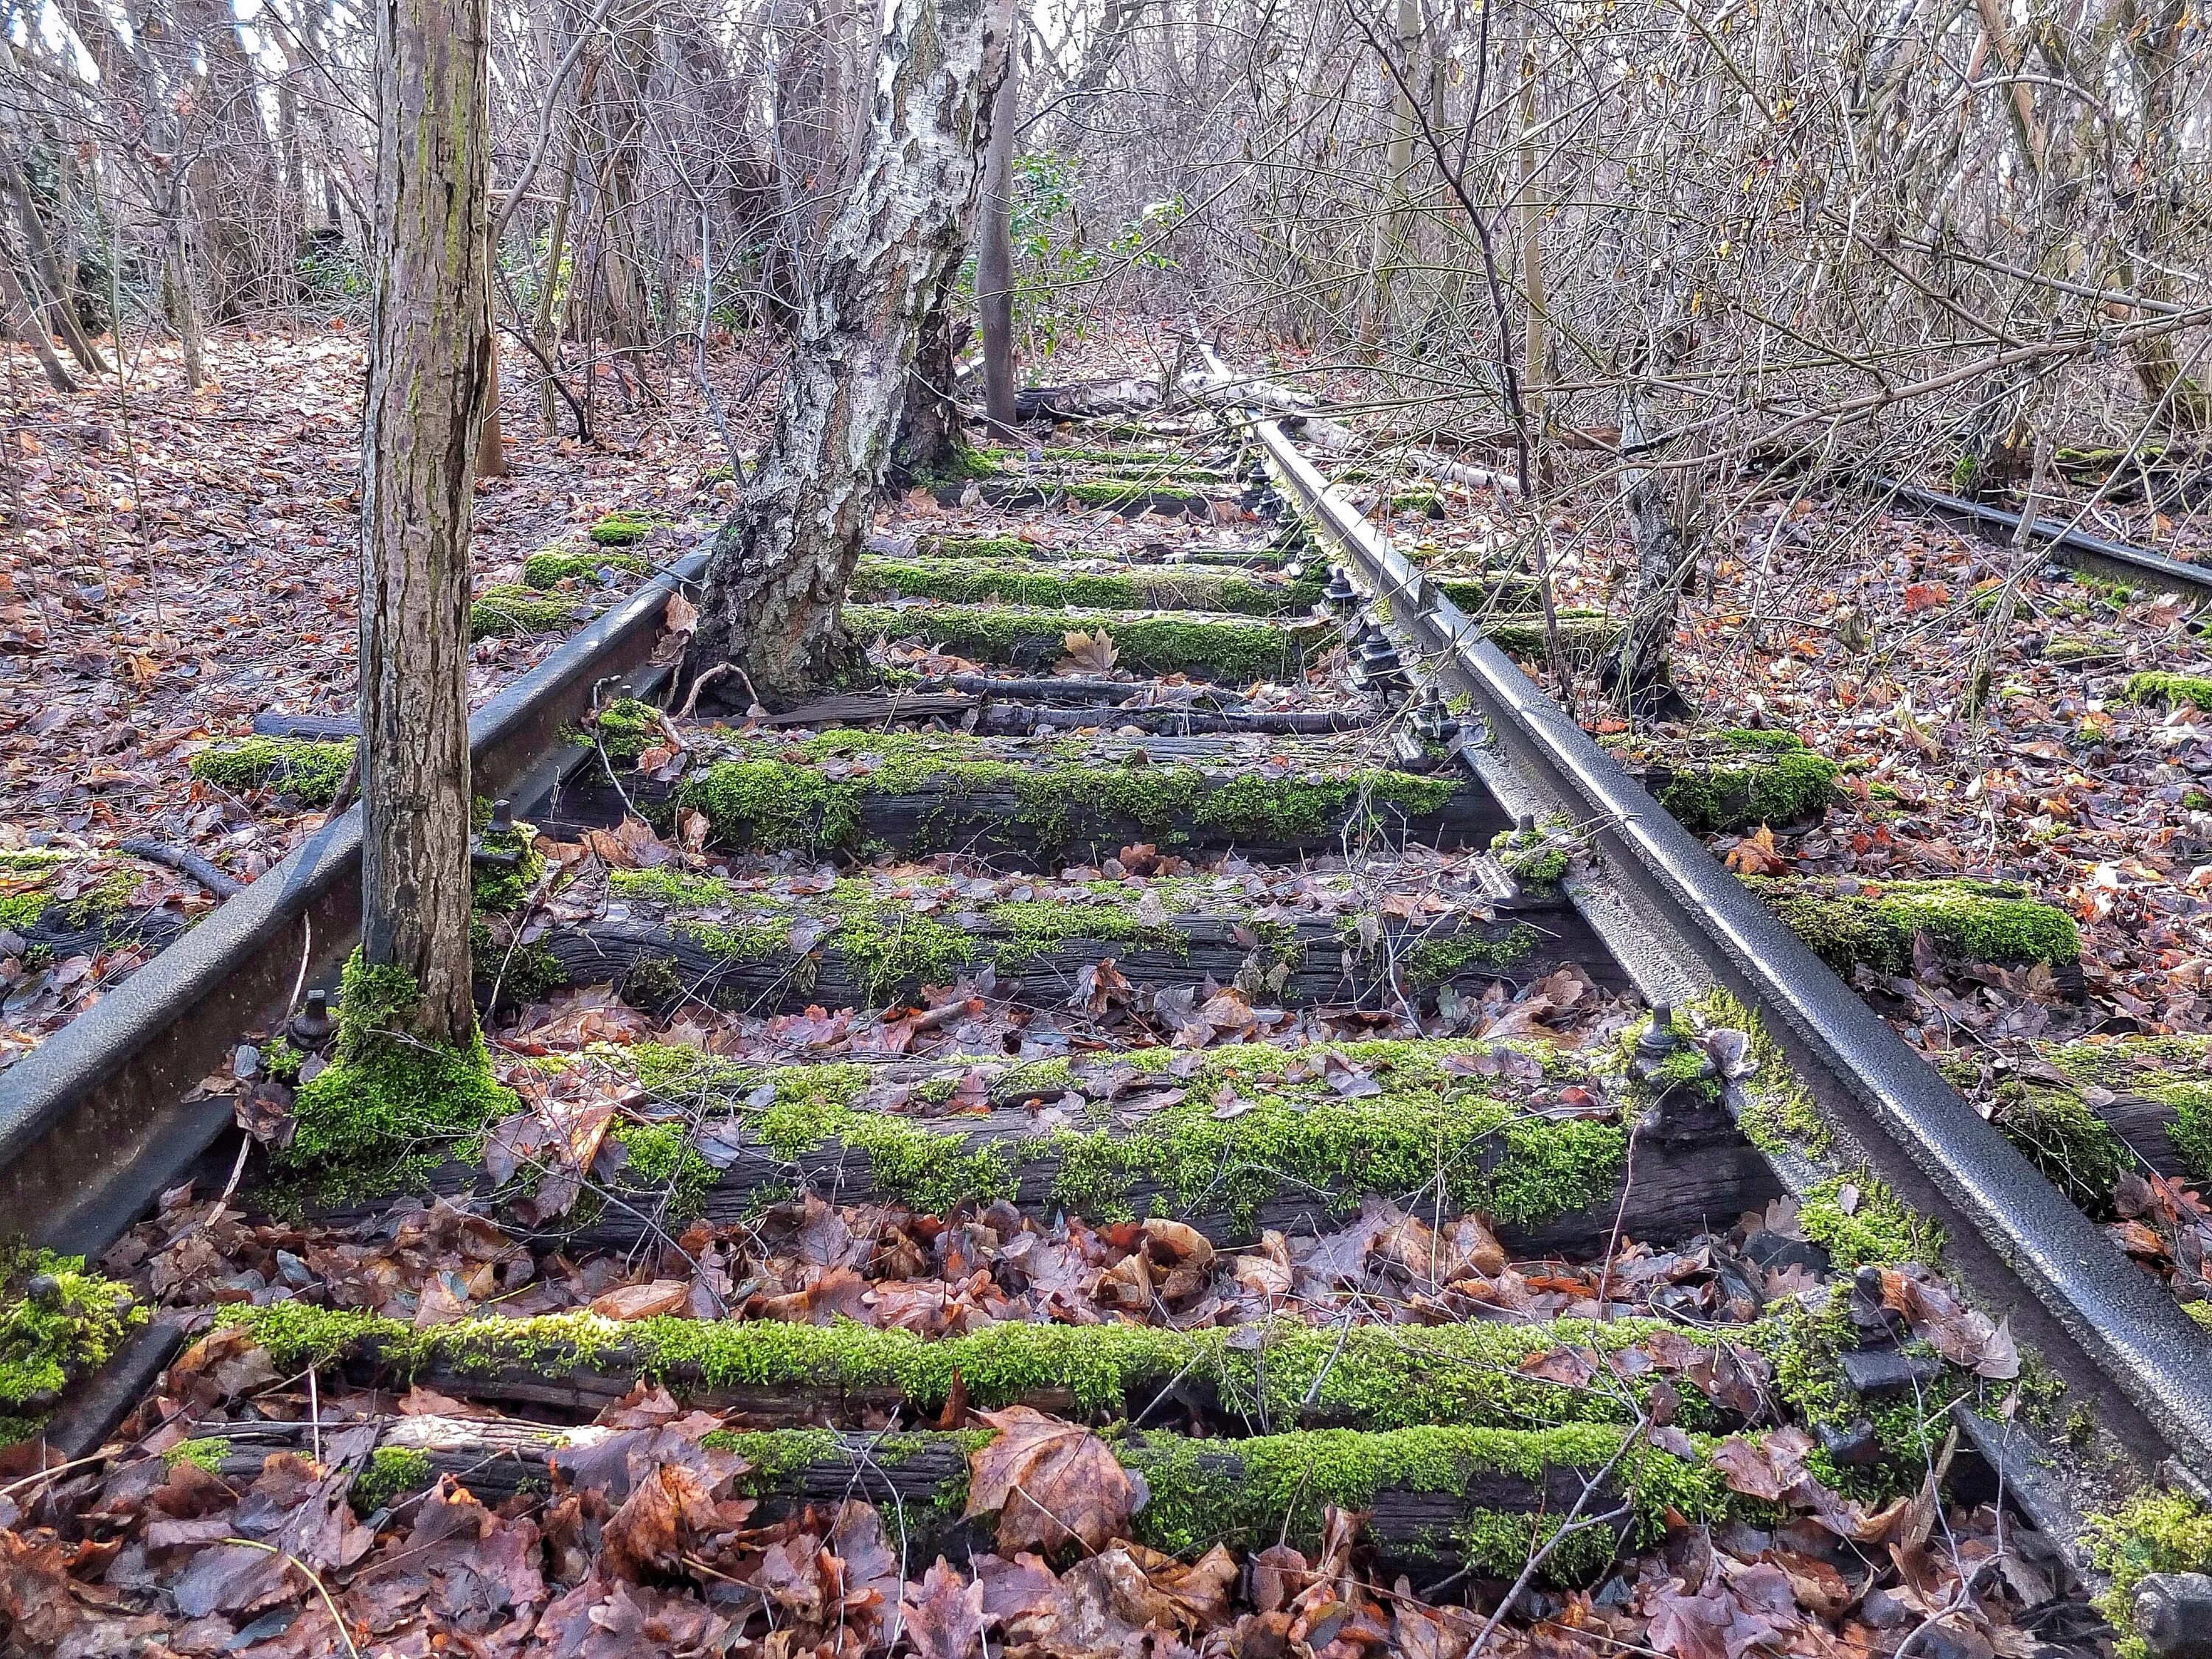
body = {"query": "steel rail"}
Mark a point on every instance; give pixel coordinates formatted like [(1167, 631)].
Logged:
[(2075, 547), (101, 1119), (2100, 1323)]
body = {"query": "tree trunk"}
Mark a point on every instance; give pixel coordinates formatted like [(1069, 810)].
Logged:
[(928, 441), (491, 451), (778, 572), (430, 368), (1637, 676), (18, 319), (994, 251)]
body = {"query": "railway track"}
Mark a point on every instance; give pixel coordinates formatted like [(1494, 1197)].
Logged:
[(1207, 992)]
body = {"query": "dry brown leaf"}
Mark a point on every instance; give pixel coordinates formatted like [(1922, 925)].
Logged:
[(1048, 1482), (1093, 651)]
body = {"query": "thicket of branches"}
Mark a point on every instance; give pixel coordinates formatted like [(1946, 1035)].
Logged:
[(1795, 227)]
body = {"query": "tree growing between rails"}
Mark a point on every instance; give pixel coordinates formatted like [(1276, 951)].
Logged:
[(777, 575), (429, 370)]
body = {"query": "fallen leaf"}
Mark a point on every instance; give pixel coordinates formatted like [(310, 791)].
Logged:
[(1049, 1481)]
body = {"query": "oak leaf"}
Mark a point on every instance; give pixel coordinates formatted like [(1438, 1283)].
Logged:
[(1049, 1481)]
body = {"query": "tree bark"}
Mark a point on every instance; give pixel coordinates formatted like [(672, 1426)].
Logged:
[(994, 251), (777, 575), (19, 319), (430, 368)]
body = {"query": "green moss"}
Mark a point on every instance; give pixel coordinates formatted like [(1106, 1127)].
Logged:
[(2176, 689), (390, 1107), (1427, 1124), (2152, 1532), (1375, 1377), (509, 610), (206, 1454), (1805, 1347), (392, 1471), (2170, 1070), (2059, 1132), (1123, 492), (1435, 962), (1535, 858), (623, 527), (1236, 653), (772, 795), (1584, 635), (1967, 920), (499, 887), (659, 1160), (624, 729), (551, 566), (1773, 779), (1027, 583), (308, 772), (1779, 1114), (1879, 1230), (954, 548), (49, 1341)]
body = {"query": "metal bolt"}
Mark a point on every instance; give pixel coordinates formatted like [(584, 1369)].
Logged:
[(1658, 1040), (503, 817), (310, 1028), (1339, 598), (1432, 721)]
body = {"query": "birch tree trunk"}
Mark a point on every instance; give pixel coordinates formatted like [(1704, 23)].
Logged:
[(429, 370), (994, 251), (777, 575)]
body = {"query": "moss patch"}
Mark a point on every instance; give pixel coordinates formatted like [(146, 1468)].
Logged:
[(551, 566), (2174, 1071), (1875, 1229), (2176, 690), (390, 1108), (1025, 583), (2152, 1532), (392, 1470), (1426, 1124), (1237, 652), (509, 611), (1967, 920), (623, 527), (58, 1323), (1738, 780), (772, 795), (308, 771)]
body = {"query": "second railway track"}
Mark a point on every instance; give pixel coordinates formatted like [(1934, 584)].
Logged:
[(1219, 979)]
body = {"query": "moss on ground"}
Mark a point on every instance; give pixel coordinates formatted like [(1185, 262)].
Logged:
[(1504, 590), (202, 1454), (58, 1323), (1732, 781), (2056, 1131), (1028, 584), (1967, 920), (551, 566), (771, 794), (2177, 690), (509, 611), (662, 1171), (1805, 1347), (26, 880), (390, 1107), (309, 772), (1237, 652), (623, 527), (2154, 1531), (1584, 635), (1779, 1114), (498, 888)]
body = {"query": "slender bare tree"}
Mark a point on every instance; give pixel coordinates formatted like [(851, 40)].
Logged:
[(430, 367)]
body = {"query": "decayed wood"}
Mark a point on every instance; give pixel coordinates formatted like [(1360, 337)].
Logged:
[(429, 369), (992, 823), (1316, 967), (910, 1480), (1139, 499)]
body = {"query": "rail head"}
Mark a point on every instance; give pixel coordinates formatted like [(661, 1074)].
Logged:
[(2103, 1325)]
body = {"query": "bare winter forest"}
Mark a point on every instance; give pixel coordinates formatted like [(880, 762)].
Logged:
[(1106, 828)]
